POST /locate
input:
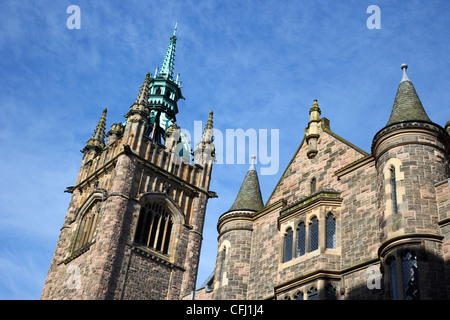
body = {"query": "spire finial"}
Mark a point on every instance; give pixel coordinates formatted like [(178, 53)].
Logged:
[(252, 166), (142, 97), (175, 30), (209, 123), (167, 66), (97, 140), (315, 107), (404, 66)]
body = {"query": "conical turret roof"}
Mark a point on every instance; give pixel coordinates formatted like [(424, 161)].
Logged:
[(407, 105), (249, 196)]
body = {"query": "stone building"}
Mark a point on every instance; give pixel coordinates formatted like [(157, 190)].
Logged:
[(342, 223), (134, 225)]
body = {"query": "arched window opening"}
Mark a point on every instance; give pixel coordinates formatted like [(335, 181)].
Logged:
[(223, 254), (330, 292), (313, 185), (87, 227), (314, 235), (393, 190), (298, 296), (287, 250), (331, 232), (154, 228), (301, 239), (312, 294)]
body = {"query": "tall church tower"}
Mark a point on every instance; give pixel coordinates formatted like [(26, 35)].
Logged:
[(134, 225)]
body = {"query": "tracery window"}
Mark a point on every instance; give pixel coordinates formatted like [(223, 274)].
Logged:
[(312, 294), (301, 239), (87, 227), (298, 296), (403, 276), (314, 235), (330, 292), (154, 227), (410, 276), (330, 232), (288, 245)]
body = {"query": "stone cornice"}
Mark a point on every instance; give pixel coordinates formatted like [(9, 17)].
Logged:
[(410, 126), (321, 197)]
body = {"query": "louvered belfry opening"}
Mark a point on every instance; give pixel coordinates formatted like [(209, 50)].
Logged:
[(154, 227)]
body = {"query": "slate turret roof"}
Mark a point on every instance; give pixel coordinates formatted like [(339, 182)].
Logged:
[(249, 196), (407, 105)]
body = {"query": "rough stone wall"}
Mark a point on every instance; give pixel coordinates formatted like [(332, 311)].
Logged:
[(332, 155), (443, 201), (355, 286), (264, 257), (360, 220)]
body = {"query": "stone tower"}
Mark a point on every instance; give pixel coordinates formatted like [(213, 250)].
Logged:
[(411, 155), (134, 225), (235, 240)]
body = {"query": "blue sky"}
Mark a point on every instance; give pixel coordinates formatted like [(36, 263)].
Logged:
[(257, 64)]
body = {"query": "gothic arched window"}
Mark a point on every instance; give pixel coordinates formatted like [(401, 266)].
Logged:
[(312, 294), (87, 227), (222, 265), (330, 292), (314, 235), (393, 183), (298, 296), (154, 227), (330, 232), (288, 239), (301, 239), (313, 185)]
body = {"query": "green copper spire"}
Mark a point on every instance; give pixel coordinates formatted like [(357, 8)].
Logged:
[(169, 59)]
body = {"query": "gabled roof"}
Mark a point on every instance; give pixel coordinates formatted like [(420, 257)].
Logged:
[(325, 124)]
